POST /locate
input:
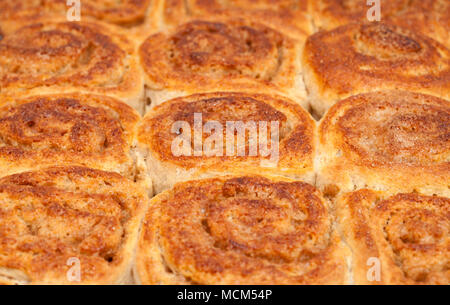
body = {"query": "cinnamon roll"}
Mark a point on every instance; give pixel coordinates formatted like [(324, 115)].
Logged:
[(124, 12), (70, 56), (89, 130), (227, 55), (204, 135), (395, 141), (370, 57), (287, 16), (399, 239), (68, 225), (240, 230), (429, 17), (329, 14)]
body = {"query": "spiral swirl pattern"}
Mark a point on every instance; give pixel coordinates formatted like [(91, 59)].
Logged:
[(243, 230), (294, 137), (124, 12), (204, 55), (383, 139), (408, 232), (53, 215), (429, 17), (67, 57), (90, 130), (287, 16), (368, 57)]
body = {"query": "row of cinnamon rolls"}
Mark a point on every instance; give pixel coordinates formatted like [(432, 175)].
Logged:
[(297, 18), (367, 183), (220, 52), (370, 180)]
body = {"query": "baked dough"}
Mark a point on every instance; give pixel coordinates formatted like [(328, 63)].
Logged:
[(395, 141), (370, 57), (240, 230), (405, 236), (287, 16), (88, 130), (330, 14), (53, 218), (63, 57), (228, 55), (430, 17), (124, 12), (293, 158)]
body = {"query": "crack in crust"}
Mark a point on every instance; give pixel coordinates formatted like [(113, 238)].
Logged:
[(88, 130), (240, 230), (408, 233), (51, 215), (383, 139)]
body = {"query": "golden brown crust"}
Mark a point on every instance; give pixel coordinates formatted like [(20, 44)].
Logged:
[(125, 12), (407, 233), (329, 14), (89, 130), (369, 57), (240, 230), (430, 17), (52, 215), (287, 16), (392, 140), (70, 56), (296, 147), (230, 55)]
